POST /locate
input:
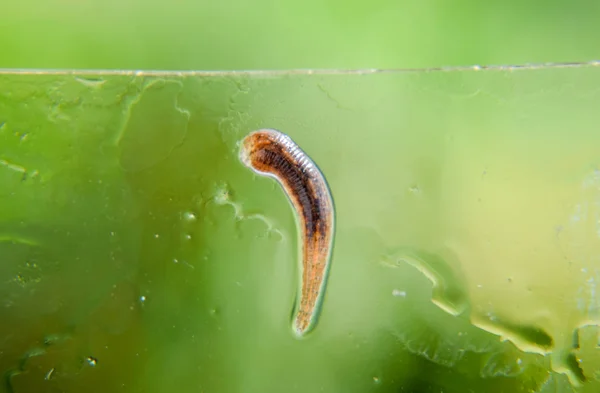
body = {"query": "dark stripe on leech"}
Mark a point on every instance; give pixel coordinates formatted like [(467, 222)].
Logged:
[(287, 168)]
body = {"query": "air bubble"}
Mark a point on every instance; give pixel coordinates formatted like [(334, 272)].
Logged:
[(189, 216), (91, 361)]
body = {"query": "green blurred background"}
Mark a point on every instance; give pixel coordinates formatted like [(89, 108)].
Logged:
[(268, 34), (139, 255)]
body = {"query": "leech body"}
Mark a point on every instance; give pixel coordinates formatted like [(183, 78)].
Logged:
[(271, 153)]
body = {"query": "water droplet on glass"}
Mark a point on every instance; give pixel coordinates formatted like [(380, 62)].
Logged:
[(189, 216), (222, 195), (414, 189), (398, 293)]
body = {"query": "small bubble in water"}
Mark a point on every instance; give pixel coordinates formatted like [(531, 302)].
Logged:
[(189, 216), (142, 299), (188, 237), (92, 361), (156, 235), (376, 380)]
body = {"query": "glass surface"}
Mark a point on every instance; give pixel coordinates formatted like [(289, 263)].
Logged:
[(138, 254)]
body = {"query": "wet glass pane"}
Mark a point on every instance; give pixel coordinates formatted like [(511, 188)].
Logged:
[(139, 254)]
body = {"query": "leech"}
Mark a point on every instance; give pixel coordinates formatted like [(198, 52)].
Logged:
[(271, 153)]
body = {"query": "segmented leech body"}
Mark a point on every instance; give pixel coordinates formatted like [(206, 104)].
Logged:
[(271, 153)]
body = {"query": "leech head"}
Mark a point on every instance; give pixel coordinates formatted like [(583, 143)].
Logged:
[(256, 145)]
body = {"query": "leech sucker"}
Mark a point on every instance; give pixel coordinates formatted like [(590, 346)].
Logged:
[(271, 153)]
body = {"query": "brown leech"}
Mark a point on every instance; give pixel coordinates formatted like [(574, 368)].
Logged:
[(272, 153)]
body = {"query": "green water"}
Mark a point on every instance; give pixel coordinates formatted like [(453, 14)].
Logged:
[(266, 34), (139, 255)]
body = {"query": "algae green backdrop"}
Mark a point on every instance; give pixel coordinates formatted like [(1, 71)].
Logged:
[(241, 34), (140, 255), (137, 254)]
